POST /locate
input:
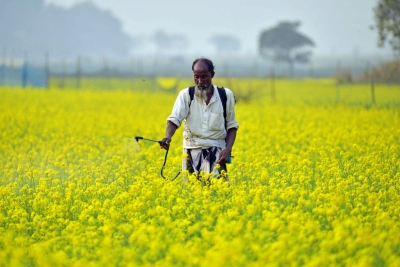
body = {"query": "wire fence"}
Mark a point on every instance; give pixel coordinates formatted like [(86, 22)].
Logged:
[(39, 72)]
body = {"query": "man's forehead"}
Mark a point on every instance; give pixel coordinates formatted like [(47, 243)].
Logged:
[(201, 67), (201, 71)]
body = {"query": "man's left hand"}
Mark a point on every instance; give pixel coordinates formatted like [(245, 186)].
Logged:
[(224, 155)]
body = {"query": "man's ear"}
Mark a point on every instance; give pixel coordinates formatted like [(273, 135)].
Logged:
[(212, 74)]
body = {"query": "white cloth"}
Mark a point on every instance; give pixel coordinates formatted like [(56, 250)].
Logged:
[(204, 124), (203, 161)]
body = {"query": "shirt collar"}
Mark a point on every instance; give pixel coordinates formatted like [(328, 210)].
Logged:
[(215, 95)]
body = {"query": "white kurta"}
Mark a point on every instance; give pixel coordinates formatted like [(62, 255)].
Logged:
[(204, 124)]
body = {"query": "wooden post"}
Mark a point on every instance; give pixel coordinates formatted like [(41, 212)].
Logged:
[(12, 82), (372, 91), (272, 75), (372, 82), (153, 83), (139, 68), (47, 69), (3, 69), (24, 75), (78, 72), (132, 71), (64, 72), (105, 71)]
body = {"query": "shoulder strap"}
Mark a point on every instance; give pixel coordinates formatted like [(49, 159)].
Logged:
[(222, 95), (191, 94), (224, 99)]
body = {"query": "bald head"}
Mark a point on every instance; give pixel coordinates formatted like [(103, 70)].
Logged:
[(206, 61)]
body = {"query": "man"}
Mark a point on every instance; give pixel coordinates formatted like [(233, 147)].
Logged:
[(207, 141)]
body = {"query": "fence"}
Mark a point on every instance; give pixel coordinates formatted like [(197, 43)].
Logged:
[(38, 72)]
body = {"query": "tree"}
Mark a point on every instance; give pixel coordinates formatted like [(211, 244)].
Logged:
[(225, 44), (284, 43), (387, 18), (36, 28)]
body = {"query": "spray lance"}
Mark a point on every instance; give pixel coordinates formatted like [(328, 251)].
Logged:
[(163, 145)]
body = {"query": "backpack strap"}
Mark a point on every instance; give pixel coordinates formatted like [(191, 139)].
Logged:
[(224, 99), (222, 95), (191, 94)]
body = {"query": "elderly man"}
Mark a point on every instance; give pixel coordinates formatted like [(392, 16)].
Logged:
[(210, 123)]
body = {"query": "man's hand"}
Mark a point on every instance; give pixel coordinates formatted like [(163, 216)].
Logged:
[(165, 142), (171, 128), (224, 155)]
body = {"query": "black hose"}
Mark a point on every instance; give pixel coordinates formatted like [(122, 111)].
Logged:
[(162, 168), (137, 138)]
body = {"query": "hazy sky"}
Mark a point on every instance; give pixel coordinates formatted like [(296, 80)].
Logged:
[(337, 26)]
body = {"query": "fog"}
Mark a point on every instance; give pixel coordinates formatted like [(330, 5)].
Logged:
[(157, 37), (337, 26)]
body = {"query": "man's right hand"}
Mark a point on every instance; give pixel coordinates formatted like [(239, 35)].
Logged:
[(165, 142), (171, 128)]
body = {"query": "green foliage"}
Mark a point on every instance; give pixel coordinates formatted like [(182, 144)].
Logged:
[(387, 18)]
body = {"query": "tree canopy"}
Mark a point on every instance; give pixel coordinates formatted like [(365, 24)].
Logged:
[(284, 43), (36, 28), (387, 18)]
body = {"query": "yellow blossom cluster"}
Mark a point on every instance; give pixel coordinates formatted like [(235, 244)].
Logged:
[(314, 181)]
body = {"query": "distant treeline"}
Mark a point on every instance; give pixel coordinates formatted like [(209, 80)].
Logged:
[(34, 28)]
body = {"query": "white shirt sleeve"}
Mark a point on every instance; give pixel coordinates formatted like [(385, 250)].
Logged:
[(181, 108)]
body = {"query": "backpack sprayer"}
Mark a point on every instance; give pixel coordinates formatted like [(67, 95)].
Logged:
[(163, 145)]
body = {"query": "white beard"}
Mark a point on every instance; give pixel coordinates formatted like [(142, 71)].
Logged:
[(203, 94)]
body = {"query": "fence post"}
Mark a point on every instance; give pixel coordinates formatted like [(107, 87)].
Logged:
[(78, 72), (372, 91), (132, 71), (106, 71), (24, 75), (47, 69), (370, 74), (139, 74), (64, 73), (11, 70), (3, 68), (273, 95)]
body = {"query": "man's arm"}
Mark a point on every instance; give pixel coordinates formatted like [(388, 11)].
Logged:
[(224, 156), (171, 129)]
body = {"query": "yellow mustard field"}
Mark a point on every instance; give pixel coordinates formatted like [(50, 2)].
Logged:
[(314, 182)]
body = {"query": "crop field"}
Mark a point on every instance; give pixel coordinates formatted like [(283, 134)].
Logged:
[(315, 179)]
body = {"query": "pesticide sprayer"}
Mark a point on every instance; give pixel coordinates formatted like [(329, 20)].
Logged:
[(163, 145)]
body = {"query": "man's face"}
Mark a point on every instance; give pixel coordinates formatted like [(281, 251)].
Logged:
[(202, 76)]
